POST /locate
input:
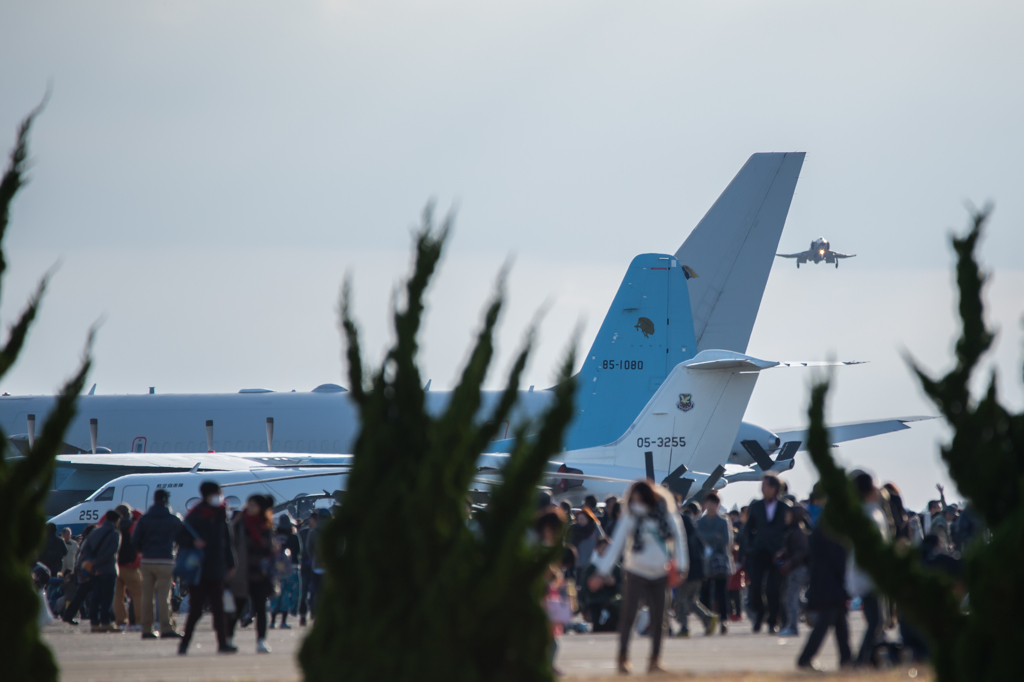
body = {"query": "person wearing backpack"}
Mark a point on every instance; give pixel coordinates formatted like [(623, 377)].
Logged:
[(255, 549), (99, 561), (289, 548), (688, 594), (129, 577), (715, 532)]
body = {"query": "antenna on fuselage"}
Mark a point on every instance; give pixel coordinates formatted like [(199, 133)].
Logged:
[(270, 434), (31, 431), (94, 427), (209, 435), (194, 469)]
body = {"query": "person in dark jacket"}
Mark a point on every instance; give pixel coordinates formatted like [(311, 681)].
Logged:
[(208, 521), (289, 550), (100, 562), (54, 551), (583, 535), (129, 577), (792, 561), (83, 583), (688, 594), (255, 549), (763, 536), (316, 564), (826, 597), (153, 538), (716, 533), (305, 569), (601, 606)]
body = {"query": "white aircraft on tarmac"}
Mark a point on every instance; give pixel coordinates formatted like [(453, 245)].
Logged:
[(678, 438)]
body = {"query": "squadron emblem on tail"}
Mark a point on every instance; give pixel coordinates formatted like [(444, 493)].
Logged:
[(685, 402), (645, 326)]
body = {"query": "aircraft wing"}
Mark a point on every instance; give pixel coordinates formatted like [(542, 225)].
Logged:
[(207, 461), (836, 254), (841, 433), (729, 253), (154, 461), (802, 254)]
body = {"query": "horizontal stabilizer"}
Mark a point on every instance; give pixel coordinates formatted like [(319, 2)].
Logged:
[(788, 451), (709, 483), (841, 433), (820, 363), (676, 483), (758, 453), (724, 359)]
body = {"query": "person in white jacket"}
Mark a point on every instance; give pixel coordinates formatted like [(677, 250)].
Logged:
[(650, 535)]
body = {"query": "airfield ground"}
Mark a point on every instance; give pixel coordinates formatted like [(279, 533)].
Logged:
[(738, 656)]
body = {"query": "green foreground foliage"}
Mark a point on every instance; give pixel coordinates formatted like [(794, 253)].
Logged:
[(24, 481), (414, 589), (986, 459)]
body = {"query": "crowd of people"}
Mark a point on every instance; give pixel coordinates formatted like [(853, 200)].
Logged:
[(646, 563), (126, 572), (773, 562)]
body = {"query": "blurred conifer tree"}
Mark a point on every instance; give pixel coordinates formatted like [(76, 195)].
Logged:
[(983, 638), (415, 589), (25, 481)]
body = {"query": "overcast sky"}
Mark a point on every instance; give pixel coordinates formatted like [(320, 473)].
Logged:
[(207, 173)]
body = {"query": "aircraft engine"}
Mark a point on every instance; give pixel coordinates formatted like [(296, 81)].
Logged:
[(767, 440)]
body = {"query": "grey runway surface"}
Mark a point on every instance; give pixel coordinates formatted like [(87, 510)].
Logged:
[(119, 657)]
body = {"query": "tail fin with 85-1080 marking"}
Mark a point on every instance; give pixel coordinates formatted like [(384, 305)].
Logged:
[(647, 331)]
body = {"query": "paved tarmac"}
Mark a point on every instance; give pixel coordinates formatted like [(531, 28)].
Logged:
[(122, 657)]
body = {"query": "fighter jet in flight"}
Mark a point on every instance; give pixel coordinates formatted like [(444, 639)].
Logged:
[(818, 252)]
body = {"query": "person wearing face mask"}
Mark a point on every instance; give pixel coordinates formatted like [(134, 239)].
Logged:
[(206, 528), (650, 536)]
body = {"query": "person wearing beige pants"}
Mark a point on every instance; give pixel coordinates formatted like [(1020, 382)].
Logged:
[(156, 585), (128, 580), (154, 537)]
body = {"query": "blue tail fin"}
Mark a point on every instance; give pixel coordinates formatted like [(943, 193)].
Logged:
[(647, 332)]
